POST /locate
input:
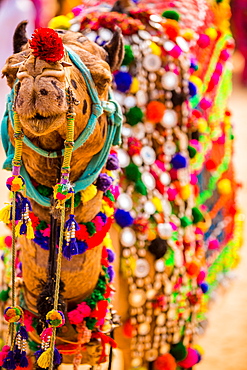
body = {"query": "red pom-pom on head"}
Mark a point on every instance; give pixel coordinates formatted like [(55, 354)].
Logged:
[(47, 45), (165, 362)]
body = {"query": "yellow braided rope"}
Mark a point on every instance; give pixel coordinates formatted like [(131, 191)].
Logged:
[(69, 142), (18, 137), (57, 286)]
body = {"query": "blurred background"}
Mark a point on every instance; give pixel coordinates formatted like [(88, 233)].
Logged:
[(225, 338)]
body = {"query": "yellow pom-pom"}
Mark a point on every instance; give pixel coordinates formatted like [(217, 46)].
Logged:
[(202, 125), (156, 50), (185, 192), (60, 22), (212, 33), (224, 187), (199, 349), (89, 193), (30, 232), (188, 34), (45, 359), (106, 209), (157, 203), (70, 15), (134, 86), (5, 214)]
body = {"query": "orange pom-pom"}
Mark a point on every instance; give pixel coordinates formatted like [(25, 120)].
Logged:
[(171, 28), (165, 362), (193, 268), (155, 111), (128, 329)]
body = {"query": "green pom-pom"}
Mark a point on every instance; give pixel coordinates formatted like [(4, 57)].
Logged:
[(178, 351), (90, 322), (134, 116), (109, 195), (192, 151), (197, 215), (171, 14), (132, 172), (4, 295), (128, 55), (42, 225), (140, 188), (185, 221), (91, 228)]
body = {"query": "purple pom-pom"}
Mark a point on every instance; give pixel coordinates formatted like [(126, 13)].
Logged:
[(103, 182), (123, 81), (111, 255), (82, 246), (38, 353), (23, 360), (179, 161), (123, 218), (112, 162), (110, 272)]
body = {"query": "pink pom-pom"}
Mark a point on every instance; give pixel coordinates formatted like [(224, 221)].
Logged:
[(3, 354), (201, 277), (8, 241), (205, 103), (175, 52), (224, 55), (46, 334), (221, 140), (191, 359), (193, 179), (172, 193), (203, 41), (213, 244)]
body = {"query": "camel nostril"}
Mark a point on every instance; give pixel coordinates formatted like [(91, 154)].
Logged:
[(38, 116), (43, 92)]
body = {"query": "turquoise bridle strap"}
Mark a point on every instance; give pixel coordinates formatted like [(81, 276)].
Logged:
[(112, 109)]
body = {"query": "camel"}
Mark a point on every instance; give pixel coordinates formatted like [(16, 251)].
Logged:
[(45, 93)]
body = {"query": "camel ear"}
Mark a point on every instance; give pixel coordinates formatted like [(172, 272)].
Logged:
[(115, 50), (20, 37)]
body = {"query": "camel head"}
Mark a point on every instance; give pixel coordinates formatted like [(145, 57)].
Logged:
[(41, 101)]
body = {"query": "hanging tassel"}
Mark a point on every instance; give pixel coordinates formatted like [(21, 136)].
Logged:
[(5, 214), (70, 246), (23, 360), (17, 229), (9, 361), (20, 347), (45, 359), (57, 357), (30, 231)]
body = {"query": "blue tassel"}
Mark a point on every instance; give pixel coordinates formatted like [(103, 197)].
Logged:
[(82, 246), (9, 361), (57, 357), (70, 249), (23, 332), (38, 353), (23, 360), (17, 355), (66, 251), (18, 208), (23, 229), (70, 222), (25, 202)]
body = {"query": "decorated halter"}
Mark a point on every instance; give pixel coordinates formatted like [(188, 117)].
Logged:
[(47, 45)]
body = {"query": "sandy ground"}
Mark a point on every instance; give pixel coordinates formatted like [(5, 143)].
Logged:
[(225, 340)]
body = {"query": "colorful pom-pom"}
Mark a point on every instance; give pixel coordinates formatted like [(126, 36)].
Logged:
[(103, 182), (47, 45), (13, 314), (128, 55), (123, 81), (190, 360), (63, 192), (15, 183), (171, 14), (123, 218), (178, 351), (213, 244), (165, 362), (112, 162), (179, 161), (134, 116), (155, 111), (197, 215), (193, 269), (204, 287), (55, 318), (132, 172), (203, 41), (224, 187), (192, 89)]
